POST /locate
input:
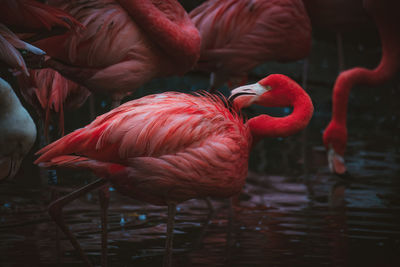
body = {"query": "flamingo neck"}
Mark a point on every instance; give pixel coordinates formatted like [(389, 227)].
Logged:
[(387, 68), (266, 126), (169, 26)]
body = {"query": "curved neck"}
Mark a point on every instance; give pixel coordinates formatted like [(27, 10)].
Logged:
[(267, 126), (389, 31), (169, 26)]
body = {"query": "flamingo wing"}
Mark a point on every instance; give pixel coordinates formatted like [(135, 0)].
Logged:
[(152, 126)]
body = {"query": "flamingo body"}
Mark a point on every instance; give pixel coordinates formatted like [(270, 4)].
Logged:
[(17, 131), (239, 35), (160, 148), (122, 48)]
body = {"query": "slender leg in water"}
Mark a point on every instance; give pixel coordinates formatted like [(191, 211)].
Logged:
[(305, 133), (104, 199), (55, 211), (170, 233)]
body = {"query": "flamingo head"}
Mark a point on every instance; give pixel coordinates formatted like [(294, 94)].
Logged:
[(335, 139), (275, 90)]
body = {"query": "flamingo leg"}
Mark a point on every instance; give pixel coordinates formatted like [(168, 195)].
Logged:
[(210, 206), (212, 86), (104, 199), (55, 211), (304, 135), (170, 232), (339, 43)]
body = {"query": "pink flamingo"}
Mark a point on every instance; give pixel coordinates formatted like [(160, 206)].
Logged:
[(125, 44), (171, 147), (335, 135), (238, 35), (17, 131)]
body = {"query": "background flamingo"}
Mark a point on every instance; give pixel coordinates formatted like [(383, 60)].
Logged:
[(388, 22), (28, 16), (125, 44), (47, 90), (17, 131), (10, 57), (239, 35), (171, 147)]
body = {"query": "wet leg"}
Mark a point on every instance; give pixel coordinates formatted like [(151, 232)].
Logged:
[(170, 232), (104, 199)]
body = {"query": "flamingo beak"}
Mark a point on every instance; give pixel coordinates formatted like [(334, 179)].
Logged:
[(246, 95), (336, 162)]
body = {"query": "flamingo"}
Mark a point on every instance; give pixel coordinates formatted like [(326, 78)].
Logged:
[(387, 20), (125, 44), (171, 147), (238, 35), (17, 131)]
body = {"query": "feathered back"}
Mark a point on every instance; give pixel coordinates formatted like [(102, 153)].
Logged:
[(154, 125)]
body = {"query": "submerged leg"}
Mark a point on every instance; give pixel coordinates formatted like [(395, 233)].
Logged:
[(104, 199), (55, 211), (170, 232), (304, 135)]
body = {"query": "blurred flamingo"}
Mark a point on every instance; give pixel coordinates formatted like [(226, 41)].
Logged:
[(27, 16), (171, 147), (338, 17), (17, 131), (125, 44), (47, 90), (238, 35), (385, 14), (10, 56), (33, 16)]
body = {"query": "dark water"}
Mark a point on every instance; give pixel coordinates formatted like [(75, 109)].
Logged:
[(314, 219)]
